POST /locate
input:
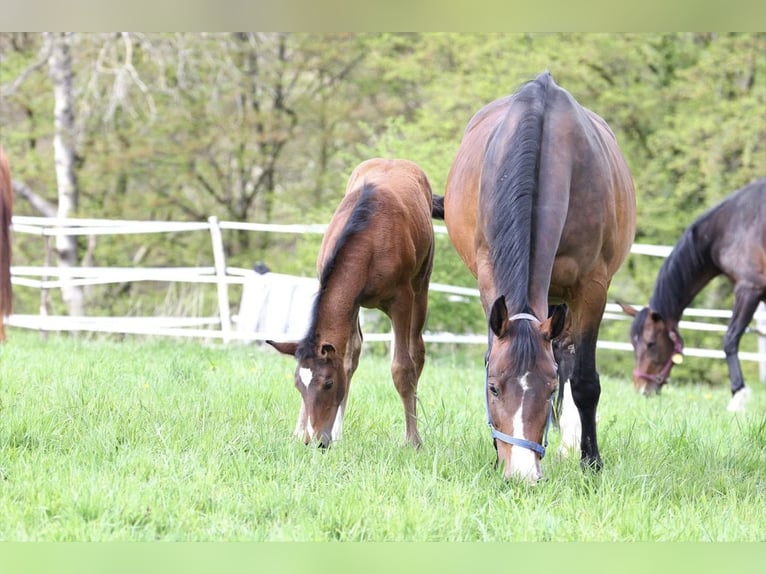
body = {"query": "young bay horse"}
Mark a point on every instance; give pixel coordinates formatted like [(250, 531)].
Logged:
[(539, 204), (728, 239), (376, 253), (6, 211)]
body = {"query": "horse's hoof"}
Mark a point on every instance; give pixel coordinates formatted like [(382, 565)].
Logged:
[(738, 401), (593, 464)]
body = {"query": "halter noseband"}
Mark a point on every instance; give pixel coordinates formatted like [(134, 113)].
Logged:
[(501, 436), (675, 358)]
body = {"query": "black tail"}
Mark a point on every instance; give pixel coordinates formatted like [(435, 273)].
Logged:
[(437, 207)]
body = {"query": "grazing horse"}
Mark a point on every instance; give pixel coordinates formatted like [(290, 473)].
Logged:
[(6, 211), (728, 239), (377, 253), (539, 204)]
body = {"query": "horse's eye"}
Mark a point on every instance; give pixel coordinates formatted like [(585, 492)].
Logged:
[(650, 344), (493, 390), (327, 385)]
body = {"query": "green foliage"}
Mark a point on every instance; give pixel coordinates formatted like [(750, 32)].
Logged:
[(267, 128)]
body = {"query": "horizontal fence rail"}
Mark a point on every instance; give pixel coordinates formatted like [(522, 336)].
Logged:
[(224, 326)]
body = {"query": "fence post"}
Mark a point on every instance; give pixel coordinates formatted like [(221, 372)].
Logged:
[(219, 258), (761, 325)]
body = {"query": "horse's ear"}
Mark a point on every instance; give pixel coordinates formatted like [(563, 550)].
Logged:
[(284, 348), (327, 349), (498, 317), (553, 326), (629, 309)]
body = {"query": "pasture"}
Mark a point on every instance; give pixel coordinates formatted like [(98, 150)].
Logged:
[(157, 439)]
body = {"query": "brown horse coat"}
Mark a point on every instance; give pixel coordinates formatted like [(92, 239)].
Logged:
[(377, 252), (540, 206)]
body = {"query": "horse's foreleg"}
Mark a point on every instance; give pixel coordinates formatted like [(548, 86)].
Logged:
[(351, 362), (300, 426), (406, 363), (586, 390), (746, 300)]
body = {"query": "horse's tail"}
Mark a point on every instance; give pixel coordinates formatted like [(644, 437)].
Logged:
[(6, 211), (437, 207)]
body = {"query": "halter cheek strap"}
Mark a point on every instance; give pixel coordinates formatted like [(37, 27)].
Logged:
[(501, 436)]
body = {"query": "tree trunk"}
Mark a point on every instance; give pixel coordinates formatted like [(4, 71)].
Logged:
[(60, 69)]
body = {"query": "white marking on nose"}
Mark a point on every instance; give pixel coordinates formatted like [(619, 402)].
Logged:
[(524, 461), (305, 376)]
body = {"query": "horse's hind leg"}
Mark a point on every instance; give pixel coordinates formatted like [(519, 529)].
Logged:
[(746, 299), (409, 356)]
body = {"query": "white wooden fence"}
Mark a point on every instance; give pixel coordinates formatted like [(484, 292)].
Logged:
[(273, 306)]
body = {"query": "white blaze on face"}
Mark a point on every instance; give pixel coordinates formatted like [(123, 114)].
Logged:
[(569, 422), (305, 375), (309, 427), (524, 463)]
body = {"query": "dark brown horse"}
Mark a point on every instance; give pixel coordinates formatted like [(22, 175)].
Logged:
[(539, 204), (377, 253), (729, 239), (6, 211)]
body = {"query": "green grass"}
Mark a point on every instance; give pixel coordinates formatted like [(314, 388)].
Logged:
[(168, 440)]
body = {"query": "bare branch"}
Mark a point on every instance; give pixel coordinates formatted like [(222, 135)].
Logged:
[(41, 204), (42, 60)]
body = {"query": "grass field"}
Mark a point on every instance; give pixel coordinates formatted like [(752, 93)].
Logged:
[(164, 440)]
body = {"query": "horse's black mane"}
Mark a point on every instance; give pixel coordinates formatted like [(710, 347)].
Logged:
[(513, 193), (356, 223), (678, 279)]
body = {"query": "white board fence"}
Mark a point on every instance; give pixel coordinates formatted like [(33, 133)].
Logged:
[(273, 306)]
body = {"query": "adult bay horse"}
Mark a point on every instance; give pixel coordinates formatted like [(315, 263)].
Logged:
[(728, 239), (377, 253), (539, 204), (6, 211)]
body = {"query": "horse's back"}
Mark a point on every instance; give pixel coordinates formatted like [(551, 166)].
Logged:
[(583, 178), (397, 240), (737, 226), (462, 187), (582, 153)]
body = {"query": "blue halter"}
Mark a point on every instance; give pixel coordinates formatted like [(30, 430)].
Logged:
[(501, 436)]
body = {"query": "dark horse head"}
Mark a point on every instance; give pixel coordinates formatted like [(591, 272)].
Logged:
[(657, 346), (521, 381)]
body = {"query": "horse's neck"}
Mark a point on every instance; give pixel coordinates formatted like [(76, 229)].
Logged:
[(337, 316), (686, 272)]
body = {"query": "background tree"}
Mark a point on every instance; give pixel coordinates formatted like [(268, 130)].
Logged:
[(266, 127)]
